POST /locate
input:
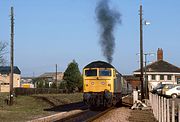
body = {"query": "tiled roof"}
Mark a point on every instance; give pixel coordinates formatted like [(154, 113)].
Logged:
[(50, 74), (7, 70), (131, 77), (161, 66)]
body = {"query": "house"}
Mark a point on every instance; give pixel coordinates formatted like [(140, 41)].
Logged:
[(160, 71), (134, 81), (51, 76), (5, 78), (27, 82)]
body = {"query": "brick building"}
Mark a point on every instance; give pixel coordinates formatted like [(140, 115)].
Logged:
[(160, 71), (5, 78)]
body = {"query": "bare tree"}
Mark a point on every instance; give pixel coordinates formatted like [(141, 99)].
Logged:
[(3, 52)]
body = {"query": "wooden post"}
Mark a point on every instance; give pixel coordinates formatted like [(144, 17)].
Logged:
[(156, 107), (179, 112), (173, 112), (159, 107), (165, 110), (150, 98), (168, 112), (162, 109), (11, 95), (153, 104), (135, 96)]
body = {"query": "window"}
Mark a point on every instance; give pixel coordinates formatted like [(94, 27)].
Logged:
[(161, 77), (104, 72), (153, 77), (4, 83), (178, 80), (169, 77), (178, 88), (92, 72)]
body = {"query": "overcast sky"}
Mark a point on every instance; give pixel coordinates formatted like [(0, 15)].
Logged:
[(49, 32)]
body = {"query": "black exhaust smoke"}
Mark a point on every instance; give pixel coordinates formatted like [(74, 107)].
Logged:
[(107, 19)]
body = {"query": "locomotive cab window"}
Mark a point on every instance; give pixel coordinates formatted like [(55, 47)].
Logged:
[(104, 72), (92, 72)]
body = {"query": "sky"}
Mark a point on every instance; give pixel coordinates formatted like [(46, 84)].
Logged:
[(49, 32)]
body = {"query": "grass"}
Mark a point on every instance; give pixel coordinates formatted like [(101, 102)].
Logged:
[(60, 99), (29, 107)]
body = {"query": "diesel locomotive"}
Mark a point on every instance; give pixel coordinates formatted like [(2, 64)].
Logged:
[(103, 85)]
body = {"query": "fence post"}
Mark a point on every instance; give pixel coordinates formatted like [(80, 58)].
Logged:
[(150, 98), (168, 112), (165, 113), (159, 108), (162, 109), (153, 105), (173, 113), (157, 117), (135, 96)]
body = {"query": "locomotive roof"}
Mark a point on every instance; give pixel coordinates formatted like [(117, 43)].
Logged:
[(99, 64)]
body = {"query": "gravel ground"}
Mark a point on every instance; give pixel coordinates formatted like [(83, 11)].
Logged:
[(116, 115), (125, 114)]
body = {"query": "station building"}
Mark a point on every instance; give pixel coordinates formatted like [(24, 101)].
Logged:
[(160, 71)]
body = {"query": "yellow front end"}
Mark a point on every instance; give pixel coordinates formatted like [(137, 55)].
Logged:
[(96, 81)]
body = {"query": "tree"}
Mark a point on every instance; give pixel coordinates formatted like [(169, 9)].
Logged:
[(3, 51), (40, 82), (53, 85), (63, 85), (73, 77)]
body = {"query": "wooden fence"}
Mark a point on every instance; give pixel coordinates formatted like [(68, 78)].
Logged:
[(30, 91), (164, 110)]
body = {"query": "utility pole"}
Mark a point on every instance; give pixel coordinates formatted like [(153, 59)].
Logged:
[(56, 78), (141, 52), (146, 77), (12, 57), (146, 80)]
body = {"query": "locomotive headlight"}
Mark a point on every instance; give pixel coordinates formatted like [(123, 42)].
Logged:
[(92, 83), (103, 83)]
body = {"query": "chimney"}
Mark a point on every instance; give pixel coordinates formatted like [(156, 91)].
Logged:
[(160, 54)]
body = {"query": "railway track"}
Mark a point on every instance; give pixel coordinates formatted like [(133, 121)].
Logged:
[(85, 116), (88, 115)]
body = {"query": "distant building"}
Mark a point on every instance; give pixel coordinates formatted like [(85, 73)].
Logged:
[(161, 71), (5, 78), (134, 81), (27, 82), (51, 76)]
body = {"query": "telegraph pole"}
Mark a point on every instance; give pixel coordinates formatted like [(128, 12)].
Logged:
[(12, 57), (56, 78), (141, 52), (146, 79)]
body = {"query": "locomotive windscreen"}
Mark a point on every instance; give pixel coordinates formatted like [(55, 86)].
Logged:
[(104, 72), (92, 72)]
